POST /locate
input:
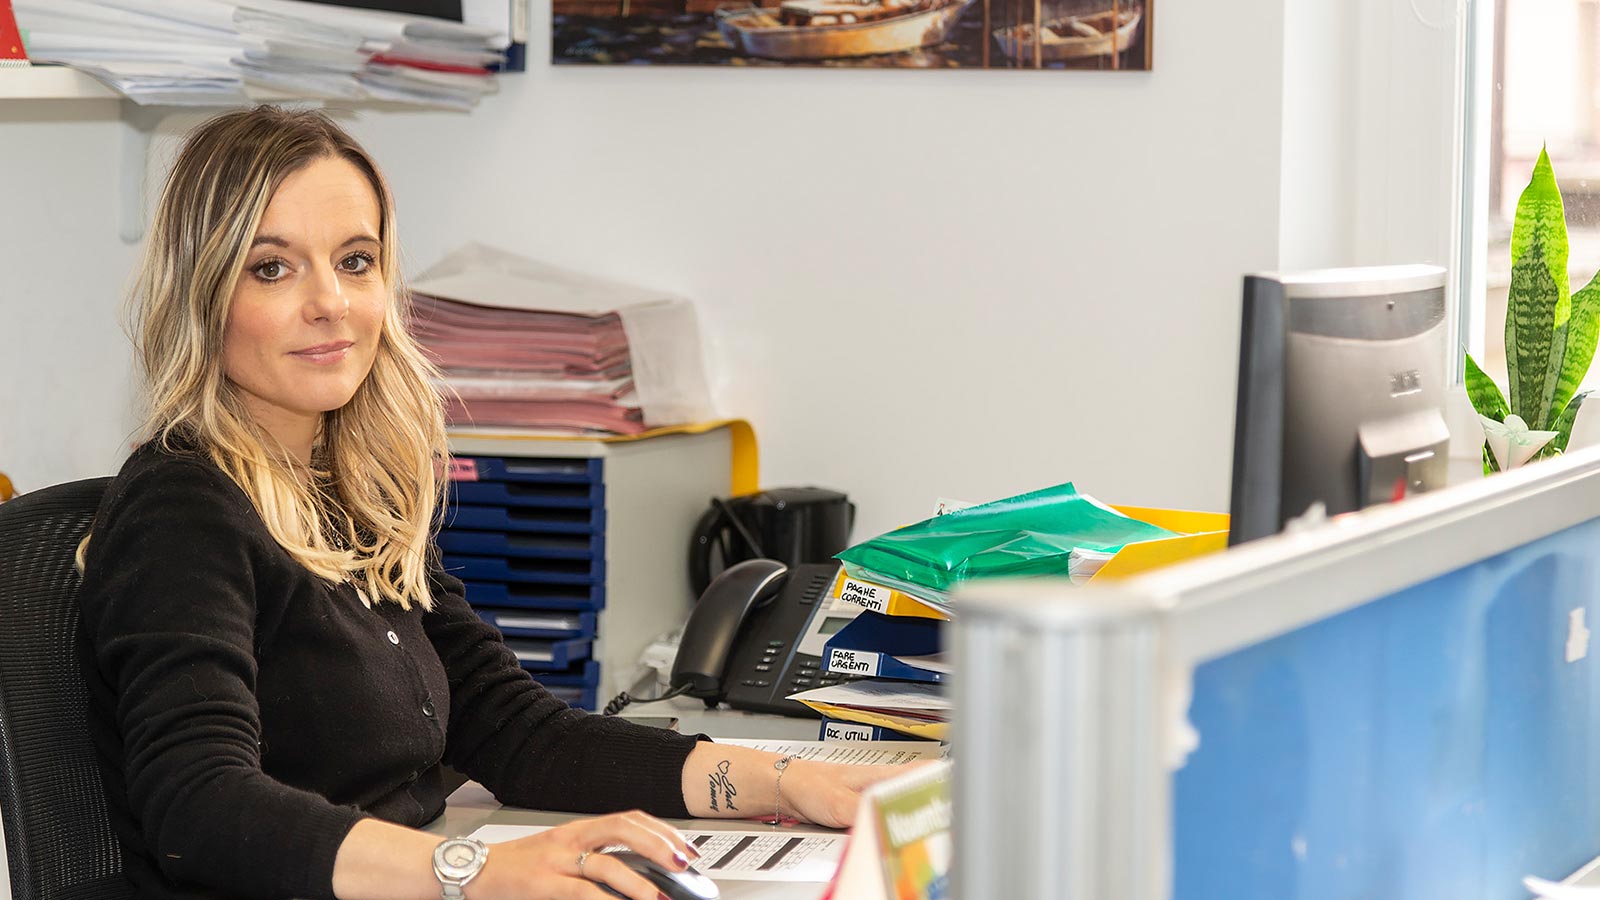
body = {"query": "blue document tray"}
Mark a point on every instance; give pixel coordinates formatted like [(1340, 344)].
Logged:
[(504, 518), (522, 546), (540, 623), (584, 673), (577, 697), (869, 644), (511, 493), (539, 470), (526, 571), (539, 655), (531, 596)]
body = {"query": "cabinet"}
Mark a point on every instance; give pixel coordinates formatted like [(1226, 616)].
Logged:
[(577, 550)]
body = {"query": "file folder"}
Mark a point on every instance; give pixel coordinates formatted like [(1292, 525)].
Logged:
[(1199, 533), (900, 725), (872, 644), (840, 732), (882, 599)]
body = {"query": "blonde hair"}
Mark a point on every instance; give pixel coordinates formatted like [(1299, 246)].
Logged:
[(367, 512)]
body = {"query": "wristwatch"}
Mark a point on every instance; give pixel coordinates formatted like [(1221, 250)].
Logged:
[(456, 862)]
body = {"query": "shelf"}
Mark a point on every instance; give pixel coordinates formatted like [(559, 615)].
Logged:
[(49, 82), (40, 82)]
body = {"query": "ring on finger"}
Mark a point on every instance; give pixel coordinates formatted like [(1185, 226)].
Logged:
[(583, 858)]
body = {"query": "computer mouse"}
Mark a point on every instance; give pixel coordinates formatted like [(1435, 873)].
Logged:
[(686, 885)]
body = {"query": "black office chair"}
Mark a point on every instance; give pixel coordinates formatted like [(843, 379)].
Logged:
[(59, 843)]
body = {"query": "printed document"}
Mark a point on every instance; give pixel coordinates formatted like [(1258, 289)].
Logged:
[(771, 854), (868, 753)]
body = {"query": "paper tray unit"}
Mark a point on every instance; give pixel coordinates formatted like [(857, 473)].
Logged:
[(533, 470), (523, 546), (526, 571), (544, 520), (536, 596), (537, 496), (544, 654), (544, 624)]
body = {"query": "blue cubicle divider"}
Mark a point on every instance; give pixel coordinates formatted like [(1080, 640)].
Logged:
[(1434, 743)]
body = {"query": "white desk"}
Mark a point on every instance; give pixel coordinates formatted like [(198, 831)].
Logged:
[(472, 807)]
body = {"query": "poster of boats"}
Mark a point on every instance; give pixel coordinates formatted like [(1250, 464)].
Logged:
[(909, 34)]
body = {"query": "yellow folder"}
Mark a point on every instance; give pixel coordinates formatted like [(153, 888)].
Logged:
[(1199, 533), (915, 727), (881, 599)]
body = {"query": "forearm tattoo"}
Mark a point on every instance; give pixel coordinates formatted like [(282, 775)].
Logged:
[(720, 783)]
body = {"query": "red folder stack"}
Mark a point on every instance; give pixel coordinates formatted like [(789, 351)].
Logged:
[(535, 369)]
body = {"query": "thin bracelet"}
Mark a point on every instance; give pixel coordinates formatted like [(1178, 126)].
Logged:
[(777, 791)]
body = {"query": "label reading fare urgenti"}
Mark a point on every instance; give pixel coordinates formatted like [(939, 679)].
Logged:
[(852, 662), (872, 596)]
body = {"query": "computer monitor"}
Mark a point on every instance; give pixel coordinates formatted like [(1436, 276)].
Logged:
[(1341, 385)]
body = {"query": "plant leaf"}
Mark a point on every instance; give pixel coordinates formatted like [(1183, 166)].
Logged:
[(1564, 423), (1539, 302), (1484, 393), (1581, 333)]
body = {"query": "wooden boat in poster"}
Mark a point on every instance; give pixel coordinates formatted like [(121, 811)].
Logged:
[(802, 30), (1071, 37)]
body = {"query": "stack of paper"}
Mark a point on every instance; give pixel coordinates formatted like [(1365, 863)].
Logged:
[(898, 638), (908, 707), (152, 59), (206, 52), (531, 369), (527, 345)]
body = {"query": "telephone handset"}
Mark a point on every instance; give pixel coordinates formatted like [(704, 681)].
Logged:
[(756, 637)]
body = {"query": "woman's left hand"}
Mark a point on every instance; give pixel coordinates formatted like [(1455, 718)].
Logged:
[(828, 793)]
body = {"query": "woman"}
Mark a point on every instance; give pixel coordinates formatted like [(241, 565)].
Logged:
[(277, 664)]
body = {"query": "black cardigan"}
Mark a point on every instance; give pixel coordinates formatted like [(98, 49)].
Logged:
[(248, 713)]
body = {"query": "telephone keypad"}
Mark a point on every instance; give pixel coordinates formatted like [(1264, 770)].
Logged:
[(770, 668)]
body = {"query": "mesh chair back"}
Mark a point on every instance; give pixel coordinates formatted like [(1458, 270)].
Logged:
[(59, 842)]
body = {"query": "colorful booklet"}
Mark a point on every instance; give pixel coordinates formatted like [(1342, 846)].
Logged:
[(900, 845)]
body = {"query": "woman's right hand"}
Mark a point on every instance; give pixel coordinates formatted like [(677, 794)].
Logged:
[(546, 866)]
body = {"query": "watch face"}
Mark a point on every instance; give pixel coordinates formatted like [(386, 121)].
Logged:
[(459, 858)]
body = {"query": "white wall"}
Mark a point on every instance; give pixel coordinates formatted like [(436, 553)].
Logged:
[(1316, 202), (65, 399), (916, 284)]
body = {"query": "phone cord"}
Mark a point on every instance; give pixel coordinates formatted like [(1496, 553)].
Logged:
[(623, 699)]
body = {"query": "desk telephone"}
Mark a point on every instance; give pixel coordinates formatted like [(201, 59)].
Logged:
[(756, 637)]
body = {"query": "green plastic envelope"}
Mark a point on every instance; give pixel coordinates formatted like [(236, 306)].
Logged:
[(1026, 535)]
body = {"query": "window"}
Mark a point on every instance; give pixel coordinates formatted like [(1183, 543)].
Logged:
[(1544, 91)]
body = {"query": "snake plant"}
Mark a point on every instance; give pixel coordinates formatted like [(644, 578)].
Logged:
[(1550, 333)]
